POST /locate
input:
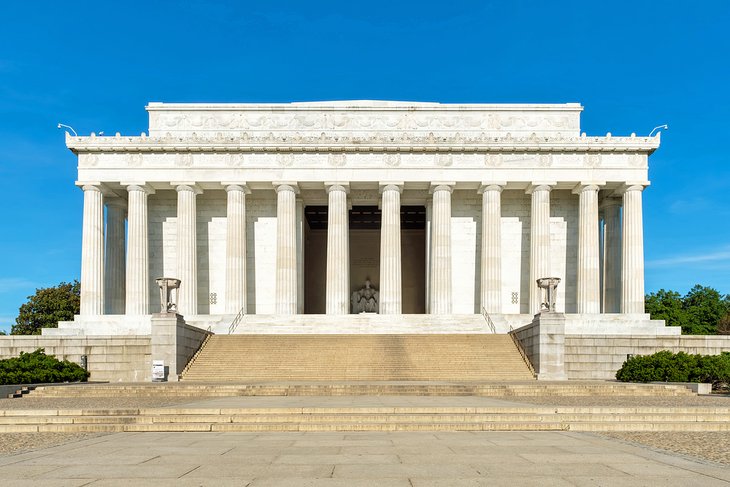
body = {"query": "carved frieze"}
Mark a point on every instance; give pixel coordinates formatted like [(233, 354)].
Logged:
[(520, 120), (184, 160), (391, 160), (545, 160), (135, 160), (336, 160), (493, 160), (592, 160), (444, 160), (284, 160)]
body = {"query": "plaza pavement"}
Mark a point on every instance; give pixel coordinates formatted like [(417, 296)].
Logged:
[(356, 459)]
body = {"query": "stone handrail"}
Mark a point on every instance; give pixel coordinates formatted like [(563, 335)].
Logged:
[(521, 349), (236, 321), (489, 321)]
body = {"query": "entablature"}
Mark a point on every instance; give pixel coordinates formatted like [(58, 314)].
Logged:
[(367, 144)]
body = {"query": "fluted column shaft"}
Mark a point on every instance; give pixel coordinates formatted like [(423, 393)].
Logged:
[(539, 242), (632, 252), (612, 257), (92, 252), (491, 263), (286, 249), (138, 272), (236, 248), (588, 293), (187, 249), (338, 252), (114, 253), (390, 251), (441, 250)]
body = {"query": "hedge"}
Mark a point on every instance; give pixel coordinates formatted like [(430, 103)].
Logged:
[(37, 367), (666, 366)]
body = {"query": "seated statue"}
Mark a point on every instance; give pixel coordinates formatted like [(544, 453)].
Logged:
[(365, 300)]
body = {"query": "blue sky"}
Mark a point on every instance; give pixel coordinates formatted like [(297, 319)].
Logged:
[(632, 64)]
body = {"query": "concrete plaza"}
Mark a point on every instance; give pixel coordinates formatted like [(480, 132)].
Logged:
[(352, 459)]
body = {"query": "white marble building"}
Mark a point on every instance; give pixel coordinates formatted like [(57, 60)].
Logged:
[(282, 211)]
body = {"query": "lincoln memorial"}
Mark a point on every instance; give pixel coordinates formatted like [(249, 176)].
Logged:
[(281, 213), (498, 240)]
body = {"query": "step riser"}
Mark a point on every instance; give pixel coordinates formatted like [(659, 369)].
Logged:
[(258, 427)]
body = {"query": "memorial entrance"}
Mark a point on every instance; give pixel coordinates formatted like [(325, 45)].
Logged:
[(364, 231)]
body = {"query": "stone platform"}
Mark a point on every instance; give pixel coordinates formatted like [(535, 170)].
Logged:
[(367, 407)]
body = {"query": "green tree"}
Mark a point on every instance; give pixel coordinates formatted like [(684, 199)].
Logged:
[(699, 312), (704, 307), (47, 307), (667, 306)]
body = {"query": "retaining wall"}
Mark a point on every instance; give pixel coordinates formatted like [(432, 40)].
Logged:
[(600, 356)]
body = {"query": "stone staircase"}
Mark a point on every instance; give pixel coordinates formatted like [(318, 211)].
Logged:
[(500, 389), (361, 406), (435, 357), (522, 418)]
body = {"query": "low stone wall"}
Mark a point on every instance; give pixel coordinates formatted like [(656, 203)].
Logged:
[(109, 358), (189, 340), (529, 336), (599, 357), (174, 342), (544, 343)]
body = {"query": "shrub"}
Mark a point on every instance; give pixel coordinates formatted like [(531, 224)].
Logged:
[(666, 366), (37, 367)]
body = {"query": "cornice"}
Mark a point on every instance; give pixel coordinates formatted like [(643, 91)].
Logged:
[(373, 144)]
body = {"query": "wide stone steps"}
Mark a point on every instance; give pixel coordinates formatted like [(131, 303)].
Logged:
[(358, 357), (525, 389), (532, 418)]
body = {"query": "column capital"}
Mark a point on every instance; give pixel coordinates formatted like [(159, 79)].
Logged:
[(237, 186), (441, 186), (138, 186), (95, 186), (491, 186), (286, 186), (329, 186), (187, 186), (632, 186), (588, 186), (540, 186), (391, 186)]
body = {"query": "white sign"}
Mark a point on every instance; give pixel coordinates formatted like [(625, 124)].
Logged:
[(158, 370)]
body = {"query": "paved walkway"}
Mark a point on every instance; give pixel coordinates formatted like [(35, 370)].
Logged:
[(355, 459)]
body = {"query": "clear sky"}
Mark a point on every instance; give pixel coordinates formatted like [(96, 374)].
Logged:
[(632, 64)]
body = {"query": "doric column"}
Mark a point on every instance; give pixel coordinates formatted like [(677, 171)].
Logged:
[(116, 210), (588, 293), (491, 264), (187, 248), (441, 249), (236, 247), (138, 254), (338, 251), (92, 252), (632, 252), (611, 255), (286, 248), (390, 252), (539, 240)]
